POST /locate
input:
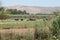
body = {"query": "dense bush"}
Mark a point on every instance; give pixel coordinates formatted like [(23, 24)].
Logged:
[(42, 33), (15, 11), (3, 13), (56, 25)]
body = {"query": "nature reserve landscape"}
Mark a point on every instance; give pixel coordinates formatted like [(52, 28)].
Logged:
[(24, 22)]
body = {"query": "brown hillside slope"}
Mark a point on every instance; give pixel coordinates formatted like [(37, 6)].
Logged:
[(34, 9)]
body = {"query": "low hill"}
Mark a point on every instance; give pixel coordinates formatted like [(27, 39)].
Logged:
[(34, 9)]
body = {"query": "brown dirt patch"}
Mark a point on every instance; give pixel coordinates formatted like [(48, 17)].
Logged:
[(18, 31)]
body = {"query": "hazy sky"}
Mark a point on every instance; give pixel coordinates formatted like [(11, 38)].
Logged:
[(31, 2)]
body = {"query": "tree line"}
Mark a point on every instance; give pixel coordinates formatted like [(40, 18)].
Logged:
[(4, 14), (15, 11)]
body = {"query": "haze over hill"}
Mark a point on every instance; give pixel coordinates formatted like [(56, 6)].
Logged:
[(34, 9)]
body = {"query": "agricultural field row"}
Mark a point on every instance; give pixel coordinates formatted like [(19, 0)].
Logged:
[(20, 24)]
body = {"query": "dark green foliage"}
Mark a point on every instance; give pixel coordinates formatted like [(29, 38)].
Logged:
[(56, 25), (55, 31), (12, 11), (56, 13), (3, 14), (15, 11), (1, 8), (55, 28)]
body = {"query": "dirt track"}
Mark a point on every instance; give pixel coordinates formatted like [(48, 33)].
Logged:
[(21, 31)]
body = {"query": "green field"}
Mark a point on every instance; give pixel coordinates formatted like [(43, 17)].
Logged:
[(20, 24)]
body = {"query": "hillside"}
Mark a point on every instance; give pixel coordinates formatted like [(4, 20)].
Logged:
[(34, 9)]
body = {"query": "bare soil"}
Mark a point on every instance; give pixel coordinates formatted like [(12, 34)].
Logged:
[(21, 31)]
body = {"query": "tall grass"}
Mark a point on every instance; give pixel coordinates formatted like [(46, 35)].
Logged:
[(44, 29)]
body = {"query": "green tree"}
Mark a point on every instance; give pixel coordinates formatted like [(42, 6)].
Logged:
[(3, 13)]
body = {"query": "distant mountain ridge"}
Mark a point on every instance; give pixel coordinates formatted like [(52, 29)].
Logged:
[(34, 9)]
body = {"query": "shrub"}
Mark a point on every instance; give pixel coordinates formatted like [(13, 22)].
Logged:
[(3, 14), (42, 33), (29, 36), (56, 25)]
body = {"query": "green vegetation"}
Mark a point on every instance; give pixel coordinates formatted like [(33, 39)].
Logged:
[(47, 26), (15, 11), (20, 24), (3, 14)]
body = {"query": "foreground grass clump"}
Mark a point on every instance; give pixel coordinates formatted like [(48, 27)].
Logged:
[(39, 34), (14, 36), (42, 33)]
